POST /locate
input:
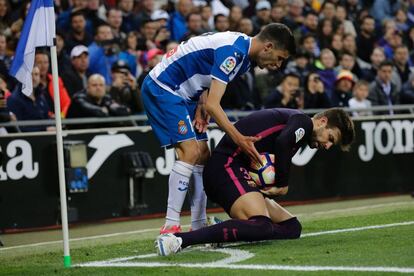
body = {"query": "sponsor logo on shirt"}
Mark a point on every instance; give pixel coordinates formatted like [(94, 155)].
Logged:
[(228, 65), (182, 127), (299, 133)]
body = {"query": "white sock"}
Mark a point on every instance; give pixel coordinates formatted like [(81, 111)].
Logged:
[(198, 199), (177, 190)]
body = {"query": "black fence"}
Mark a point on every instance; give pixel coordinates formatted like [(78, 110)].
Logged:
[(122, 181)]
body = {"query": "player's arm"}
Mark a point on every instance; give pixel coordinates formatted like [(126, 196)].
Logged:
[(201, 117), (298, 128), (213, 107)]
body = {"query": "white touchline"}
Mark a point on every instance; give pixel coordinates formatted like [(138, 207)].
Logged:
[(157, 229)]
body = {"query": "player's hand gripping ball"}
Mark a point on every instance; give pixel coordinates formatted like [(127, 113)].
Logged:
[(264, 176)]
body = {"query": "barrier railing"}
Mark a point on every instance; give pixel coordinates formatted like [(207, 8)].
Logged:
[(139, 120)]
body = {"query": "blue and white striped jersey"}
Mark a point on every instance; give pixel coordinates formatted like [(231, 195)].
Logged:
[(187, 70)]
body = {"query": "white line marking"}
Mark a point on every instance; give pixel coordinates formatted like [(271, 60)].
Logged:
[(352, 209), (156, 229), (356, 229), (260, 267)]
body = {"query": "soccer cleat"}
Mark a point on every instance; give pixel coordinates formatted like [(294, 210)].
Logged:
[(168, 244), (170, 229)]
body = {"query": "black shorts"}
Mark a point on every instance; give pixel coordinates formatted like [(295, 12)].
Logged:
[(225, 180)]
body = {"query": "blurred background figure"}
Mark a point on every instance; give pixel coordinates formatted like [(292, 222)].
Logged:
[(360, 98), (76, 77), (287, 94), (343, 89), (314, 94), (33, 107), (95, 102)]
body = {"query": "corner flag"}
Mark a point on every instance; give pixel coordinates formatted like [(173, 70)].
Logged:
[(38, 30)]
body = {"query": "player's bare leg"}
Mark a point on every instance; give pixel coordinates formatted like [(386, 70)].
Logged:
[(249, 205), (276, 212), (188, 153)]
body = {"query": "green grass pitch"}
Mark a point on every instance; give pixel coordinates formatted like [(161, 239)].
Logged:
[(368, 237)]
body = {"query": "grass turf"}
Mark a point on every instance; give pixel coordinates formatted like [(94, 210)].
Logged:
[(386, 247)]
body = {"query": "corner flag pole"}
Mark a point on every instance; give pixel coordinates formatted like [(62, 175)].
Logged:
[(59, 143), (39, 30)]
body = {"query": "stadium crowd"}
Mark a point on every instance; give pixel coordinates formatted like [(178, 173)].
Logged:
[(356, 53)]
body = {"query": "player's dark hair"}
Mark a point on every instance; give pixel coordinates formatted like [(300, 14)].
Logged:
[(280, 35), (340, 119)]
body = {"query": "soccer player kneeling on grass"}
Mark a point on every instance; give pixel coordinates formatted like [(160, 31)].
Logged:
[(227, 181)]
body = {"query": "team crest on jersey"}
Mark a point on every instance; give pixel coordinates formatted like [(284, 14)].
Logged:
[(299, 133), (228, 65), (182, 127)]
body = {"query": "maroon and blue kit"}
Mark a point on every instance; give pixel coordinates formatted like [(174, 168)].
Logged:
[(283, 132)]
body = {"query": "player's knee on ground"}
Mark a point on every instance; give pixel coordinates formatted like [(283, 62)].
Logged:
[(293, 228)]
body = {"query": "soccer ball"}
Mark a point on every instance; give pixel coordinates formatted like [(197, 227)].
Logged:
[(264, 176)]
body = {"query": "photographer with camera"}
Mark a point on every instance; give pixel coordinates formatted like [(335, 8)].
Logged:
[(315, 96), (124, 87), (287, 94), (103, 52)]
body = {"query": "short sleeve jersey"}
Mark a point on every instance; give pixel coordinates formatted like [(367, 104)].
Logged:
[(187, 70), (283, 132)]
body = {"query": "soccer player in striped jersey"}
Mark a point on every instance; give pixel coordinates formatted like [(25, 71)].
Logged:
[(184, 90), (228, 183)]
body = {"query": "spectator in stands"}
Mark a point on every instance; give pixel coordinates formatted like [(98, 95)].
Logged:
[(5, 114), (309, 44), (114, 18), (76, 78), (42, 63), (77, 34), (350, 44), (407, 92), (301, 66), (325, 32), (326, 70), (278, 14), (294, 17), (148, 30), (240, 93), (401, 20), (94, 102), (221, 23), (381, 9), (401, 62), (393, 39), (328, 10), (159, 16), (347, 61), (147, 11), (314, 94), (343, 89), (163, 37), (103, 52), (5, 58), (154, 56), (207, 18), (382, 91), (246, 26), (360, 99), (177, 24), (353, 8), (5, 18), (366, 38), (236, 14), (286, 94), (377, 56), (124, 87), (342, 17), (337, 45), (194, 27), (129, 20), (262, 16), (33, 107), (130, 54), (62, 56), (63, 21), (95, 15), (310, 25)]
